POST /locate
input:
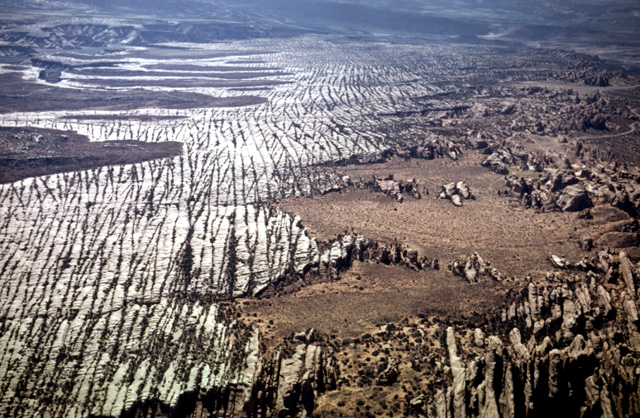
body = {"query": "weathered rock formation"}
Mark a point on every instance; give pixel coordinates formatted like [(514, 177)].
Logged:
[(284, 385), (328, 259), (389, 375), (456, 192), (569, 348), (473, 268), (556, 189), (396, 188)]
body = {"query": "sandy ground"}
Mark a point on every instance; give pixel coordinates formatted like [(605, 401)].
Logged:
[(515, 240)]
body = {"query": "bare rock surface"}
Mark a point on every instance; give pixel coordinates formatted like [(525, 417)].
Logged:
[(570, 363), (119, 279), (456, 192), (574, 199), (389, 375), (473, 268)]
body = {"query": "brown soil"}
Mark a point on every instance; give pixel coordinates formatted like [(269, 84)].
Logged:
[(410, 343), (30, 152), (18, 95), (517, 241), (182, 83), (366, 297), (202, 74)]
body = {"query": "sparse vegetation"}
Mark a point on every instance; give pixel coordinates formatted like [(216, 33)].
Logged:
[(173, 260)]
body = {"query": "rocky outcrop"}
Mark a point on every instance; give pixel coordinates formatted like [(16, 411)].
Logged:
[(396, 253), (473, 268), (328, 259), (433, 148), (497, 162), (557, 189), (456, 192), (574, 199), (389, 375), (577, 181), (396, 188), (287, 385), (569, 348), (589, 76), (424, 148), (503, 156), (557, 179), (628, 272)]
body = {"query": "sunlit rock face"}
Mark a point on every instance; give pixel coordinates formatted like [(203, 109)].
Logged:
[(115, 282), (110, 277)]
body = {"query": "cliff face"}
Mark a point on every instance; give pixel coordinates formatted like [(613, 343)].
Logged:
[(569, 347), (288, 385), (573, 350), (285, 385)]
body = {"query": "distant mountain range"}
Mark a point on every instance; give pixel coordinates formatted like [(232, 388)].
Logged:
[(409, 16), (591, 26)]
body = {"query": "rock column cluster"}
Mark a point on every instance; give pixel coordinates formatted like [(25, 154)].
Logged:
[(570, 348)]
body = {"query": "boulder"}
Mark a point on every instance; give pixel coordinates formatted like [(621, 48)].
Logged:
[(494, 163), (449, 189), (627, 270), (478, 337), (558, 179), (456, 192), (463, 190), (574, 199), (417, 402), (390, 374), (558, 262), (630, 308), (388, 186)]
